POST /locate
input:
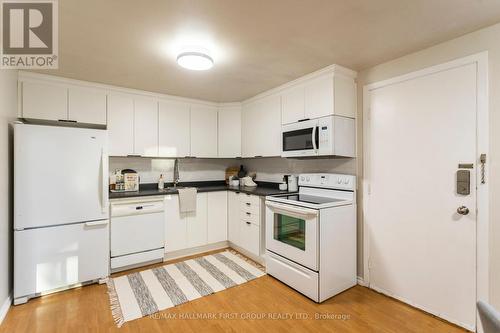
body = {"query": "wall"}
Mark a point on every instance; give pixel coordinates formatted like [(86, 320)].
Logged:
[(268, 169), (8, 112), (272, 169), (482, 40)]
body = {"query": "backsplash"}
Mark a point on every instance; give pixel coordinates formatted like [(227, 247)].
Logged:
[(269, 169), (272, 169)]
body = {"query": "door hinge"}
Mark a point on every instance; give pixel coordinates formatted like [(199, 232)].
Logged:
[(482, 160)]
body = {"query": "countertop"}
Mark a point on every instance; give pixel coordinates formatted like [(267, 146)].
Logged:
[(263, 189)]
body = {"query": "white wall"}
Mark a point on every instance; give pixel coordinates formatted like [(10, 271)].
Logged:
[(482, 40), (272, 169), (150, 169), (8, 112), (267, 169)]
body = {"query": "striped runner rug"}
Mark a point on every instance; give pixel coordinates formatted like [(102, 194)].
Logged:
[(143, 293)]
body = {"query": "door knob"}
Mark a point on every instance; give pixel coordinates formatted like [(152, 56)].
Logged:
[(462, 210)]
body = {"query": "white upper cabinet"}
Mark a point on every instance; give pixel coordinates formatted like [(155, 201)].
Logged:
[(121, 124), (87, 105), (318, 97), (261, 127), (292, 107), (174, 129), (146, 127), (229, 131), (325, 95), (203, 131), (44, 101)]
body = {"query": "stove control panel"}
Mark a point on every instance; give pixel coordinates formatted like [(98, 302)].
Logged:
[(328, 180)]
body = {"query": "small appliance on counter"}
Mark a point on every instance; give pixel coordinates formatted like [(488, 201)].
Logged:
[(292, 182), (126, 180)]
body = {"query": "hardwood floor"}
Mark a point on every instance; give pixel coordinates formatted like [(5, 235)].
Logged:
[(261, 305)]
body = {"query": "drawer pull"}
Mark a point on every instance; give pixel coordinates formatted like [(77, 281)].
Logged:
[(139, 208), (248, 223), (248, 203), (249, 213)]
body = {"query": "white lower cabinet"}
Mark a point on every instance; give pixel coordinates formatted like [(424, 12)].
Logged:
[(197, 223), (244, 222), (217, 217), (207, 225)]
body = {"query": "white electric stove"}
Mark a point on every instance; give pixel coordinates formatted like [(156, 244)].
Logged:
[(311, 235)]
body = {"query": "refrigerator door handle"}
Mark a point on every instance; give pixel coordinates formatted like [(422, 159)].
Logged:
[(96, 223), (104, 188)]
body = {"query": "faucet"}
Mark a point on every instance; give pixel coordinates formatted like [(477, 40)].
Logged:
[(176, 172)]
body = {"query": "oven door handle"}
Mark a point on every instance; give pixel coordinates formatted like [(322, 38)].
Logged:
[(315, 128), (292, 209)]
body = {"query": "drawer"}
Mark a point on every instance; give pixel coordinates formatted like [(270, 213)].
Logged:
[(250, 217), (299, 278), (250, 237), (253, 200), (250, 207)]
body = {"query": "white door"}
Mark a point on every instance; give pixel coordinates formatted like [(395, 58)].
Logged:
[(121, 125), (45, 101), (146, 127), (229, 131), (175, 225), (54, 257), (87, 105), (217, 217), (422, 250), (197, 222), (203, 131), (174, 129), (233, 217), (61, 175)]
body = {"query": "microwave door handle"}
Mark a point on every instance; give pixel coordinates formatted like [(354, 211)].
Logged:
[(315, 147)]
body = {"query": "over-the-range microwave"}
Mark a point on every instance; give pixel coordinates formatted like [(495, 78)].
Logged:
[(326, 136)]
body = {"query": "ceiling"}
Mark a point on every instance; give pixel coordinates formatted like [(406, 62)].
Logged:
[(256, 45)]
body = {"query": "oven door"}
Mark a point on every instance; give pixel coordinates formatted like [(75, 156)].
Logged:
[(300, 139), (292, 232)]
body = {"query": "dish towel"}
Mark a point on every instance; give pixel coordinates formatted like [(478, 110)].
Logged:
[(187, 199)]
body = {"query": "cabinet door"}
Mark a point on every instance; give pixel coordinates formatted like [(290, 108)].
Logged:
[(174, 129), (345, 97), (319, 97), (175, 225), (146, 127), (44, 101), (233, 217), (266, 132), (250, 237), (203, 131), (121, 125), (292, 105), (87, 105), (197, 222), (249, 130), (229, 132), (217, 217)]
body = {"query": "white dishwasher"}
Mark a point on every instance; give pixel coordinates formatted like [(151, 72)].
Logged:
[(137, 233)]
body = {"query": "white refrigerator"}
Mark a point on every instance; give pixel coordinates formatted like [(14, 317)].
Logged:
[(61, 226)]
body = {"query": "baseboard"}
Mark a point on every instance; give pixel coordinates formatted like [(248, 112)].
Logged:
[(362, 282), (5, 308), (195, 250)]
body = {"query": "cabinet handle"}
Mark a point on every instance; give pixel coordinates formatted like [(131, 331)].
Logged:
[(249, 213), (67, 121), (305, 119), (248, 203), (257, 156), (248, 223), (134, 155)]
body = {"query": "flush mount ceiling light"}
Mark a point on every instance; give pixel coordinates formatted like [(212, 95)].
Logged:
[(195, 60)]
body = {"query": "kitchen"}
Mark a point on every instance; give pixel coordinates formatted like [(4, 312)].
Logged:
[(159, 197)]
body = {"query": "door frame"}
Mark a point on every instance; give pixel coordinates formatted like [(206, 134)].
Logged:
[(482, 144)]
